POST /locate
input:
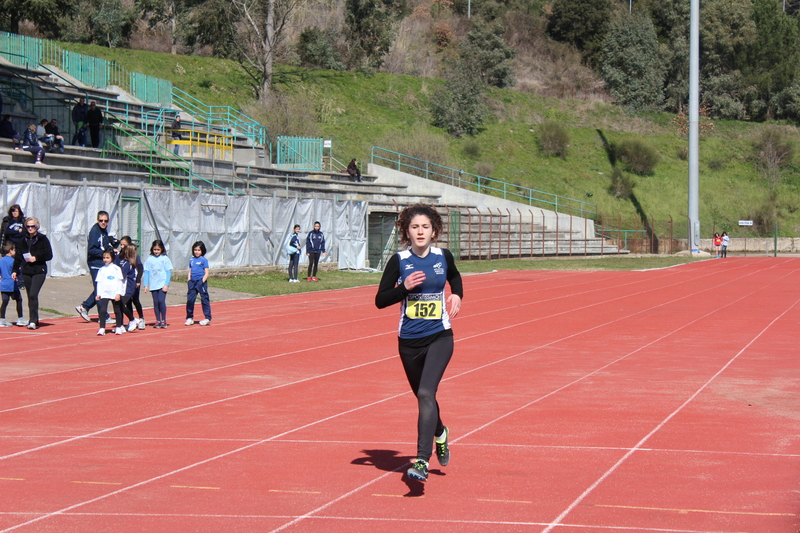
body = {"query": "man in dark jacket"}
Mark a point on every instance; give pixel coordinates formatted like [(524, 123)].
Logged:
[(79, 116), (7, 131), (95, 119), (99, 241)]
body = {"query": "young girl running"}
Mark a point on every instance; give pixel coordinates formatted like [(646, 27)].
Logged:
[(416, 277), (157, 275), (110, 288), (198, 276), (126, 242)]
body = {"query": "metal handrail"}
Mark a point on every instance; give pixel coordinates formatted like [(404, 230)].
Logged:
[(483, 184), (222, 116)]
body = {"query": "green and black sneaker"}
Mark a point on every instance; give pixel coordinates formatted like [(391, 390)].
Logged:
[(419, 470), (442, 450)]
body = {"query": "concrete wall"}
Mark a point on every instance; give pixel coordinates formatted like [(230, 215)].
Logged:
[(456, 196)]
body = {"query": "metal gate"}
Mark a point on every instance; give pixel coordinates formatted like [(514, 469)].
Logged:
[(454, 233), (299, 153), (130, 218), (381, 239)]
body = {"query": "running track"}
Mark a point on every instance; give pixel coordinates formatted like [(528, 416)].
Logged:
[(654, 401)]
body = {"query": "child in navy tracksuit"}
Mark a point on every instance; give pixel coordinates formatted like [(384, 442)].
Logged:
[(315, 246), (293, 248), (8, 286), (126, 260), (198, 276), (134, 301)]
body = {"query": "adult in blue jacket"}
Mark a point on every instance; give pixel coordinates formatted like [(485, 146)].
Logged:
[(99, 241), (315, 246)]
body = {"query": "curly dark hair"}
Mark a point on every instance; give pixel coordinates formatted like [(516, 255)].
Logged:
[(407, 214)]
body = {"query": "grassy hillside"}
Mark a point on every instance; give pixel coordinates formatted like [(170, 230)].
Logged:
[(358, 112)]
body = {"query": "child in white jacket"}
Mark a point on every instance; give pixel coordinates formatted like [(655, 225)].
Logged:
[(110, 288)]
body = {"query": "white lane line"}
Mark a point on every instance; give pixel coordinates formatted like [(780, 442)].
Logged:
[(647, 437)]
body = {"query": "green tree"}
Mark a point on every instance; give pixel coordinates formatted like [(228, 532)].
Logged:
[(772, 58), (458, 107), (671, 24), (316, 49), (631, 64), (488, 54), (46, 15), (368, 30), (173, 13), (103, 22), (726, 30), (582, 23)]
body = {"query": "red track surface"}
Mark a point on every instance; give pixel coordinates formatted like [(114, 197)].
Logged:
[(664, 400)]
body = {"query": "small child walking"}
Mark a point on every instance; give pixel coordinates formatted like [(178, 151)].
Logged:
[(125, 242), (157, 275), (127, 263), (110, 288), (8, 285), (198, 277)]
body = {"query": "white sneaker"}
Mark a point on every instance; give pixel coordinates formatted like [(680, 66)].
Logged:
[(132, 324), (101, 331), (140, 324), (21, 322), (189, 322), (32, 325), (5, 323), (205, 322), (119, 331), (82, 312)]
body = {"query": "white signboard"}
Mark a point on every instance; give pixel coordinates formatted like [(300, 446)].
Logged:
[(326, 143), (745, 222)]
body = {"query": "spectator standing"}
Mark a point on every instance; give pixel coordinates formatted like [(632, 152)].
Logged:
[(98, 241), (725, 242), (315, 246), (32, 256), (79, 117), (717, 244), (94, 117), (293, 248), (9, 287), (13, 225), (176, 133)]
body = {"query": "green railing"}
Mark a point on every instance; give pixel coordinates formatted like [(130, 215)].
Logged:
[(143, 150), (298, 153), (481, 184), (224, 119), (30, 52)]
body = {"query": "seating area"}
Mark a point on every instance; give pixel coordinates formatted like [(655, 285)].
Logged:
[(138, 149)]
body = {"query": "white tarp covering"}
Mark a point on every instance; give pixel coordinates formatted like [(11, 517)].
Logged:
[(237, 230)]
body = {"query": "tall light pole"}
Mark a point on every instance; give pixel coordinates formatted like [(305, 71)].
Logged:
[(694, 125)]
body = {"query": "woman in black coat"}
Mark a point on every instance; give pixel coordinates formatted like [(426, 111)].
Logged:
[(32, 255)]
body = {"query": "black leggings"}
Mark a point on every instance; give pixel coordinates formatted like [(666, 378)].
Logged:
[(134, 302), (313, 261), (33, 284), (424, 368)]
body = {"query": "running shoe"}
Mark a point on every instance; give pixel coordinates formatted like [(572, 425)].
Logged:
[(157, 325), (442, 450), (83, 312), (309, 279), (141, 324), (205, 322), (189, 322), (314, 279), (5, 323), (419, 470), (132, 325), (32, 325), (119, 331), (101, 332), (21, 322)]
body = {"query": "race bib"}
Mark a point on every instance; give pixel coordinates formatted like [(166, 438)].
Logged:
[(426, 310)]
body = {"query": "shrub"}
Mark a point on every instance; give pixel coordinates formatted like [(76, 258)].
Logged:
[(773, 151), (554, 139), (716, 165), (316, 50), (621, 184), (458, 107), (484, 169), (683, 153), (637, 155), (472, 149)]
